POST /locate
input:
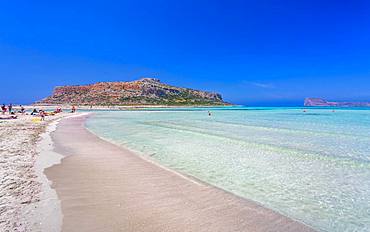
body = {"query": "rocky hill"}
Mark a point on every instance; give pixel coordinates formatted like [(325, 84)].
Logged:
[(322, 102), (146, 91)]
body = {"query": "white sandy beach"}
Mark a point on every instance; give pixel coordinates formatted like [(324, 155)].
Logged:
[(23, 185)]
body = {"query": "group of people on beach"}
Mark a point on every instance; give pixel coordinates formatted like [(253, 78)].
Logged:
[(11, 110), (35, 112), (41, 113)]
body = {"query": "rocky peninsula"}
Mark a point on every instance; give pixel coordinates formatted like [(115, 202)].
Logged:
[(145, 91), (322, 102)]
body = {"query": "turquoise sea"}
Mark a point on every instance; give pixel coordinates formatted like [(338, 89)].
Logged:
[(312, 166)]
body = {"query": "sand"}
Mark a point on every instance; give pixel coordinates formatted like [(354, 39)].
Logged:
[(22, 183), (103, 187)]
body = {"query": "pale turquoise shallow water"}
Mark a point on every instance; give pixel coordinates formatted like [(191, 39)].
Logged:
[(313, 166)]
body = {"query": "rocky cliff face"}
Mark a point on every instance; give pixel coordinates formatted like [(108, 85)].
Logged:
[(322, 102), (146, 91)]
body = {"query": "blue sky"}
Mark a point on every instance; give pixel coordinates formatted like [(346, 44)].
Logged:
[(265, 52)]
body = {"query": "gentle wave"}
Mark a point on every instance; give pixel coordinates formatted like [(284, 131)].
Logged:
[(288, 150)]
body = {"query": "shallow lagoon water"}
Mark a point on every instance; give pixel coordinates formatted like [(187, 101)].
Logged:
[(312, 166)]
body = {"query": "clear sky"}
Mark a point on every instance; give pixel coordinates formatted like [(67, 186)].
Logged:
[(260, 52)]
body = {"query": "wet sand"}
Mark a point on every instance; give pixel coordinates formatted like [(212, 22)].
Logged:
[(103, 187)]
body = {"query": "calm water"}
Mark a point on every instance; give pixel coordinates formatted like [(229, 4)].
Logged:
[(313, 166)]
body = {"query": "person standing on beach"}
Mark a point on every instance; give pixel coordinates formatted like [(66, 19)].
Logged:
[(42, 114), (3, 108), (10, 108), (73, 109)]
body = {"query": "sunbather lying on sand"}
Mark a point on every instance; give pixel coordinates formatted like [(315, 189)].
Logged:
[(8, 117)]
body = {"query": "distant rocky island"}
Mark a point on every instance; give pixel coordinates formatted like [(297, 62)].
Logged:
[(146, 91), (322, 102)]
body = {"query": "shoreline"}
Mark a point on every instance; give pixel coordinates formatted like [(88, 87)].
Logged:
[(126, 198), (46, 214), (189, 177)]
